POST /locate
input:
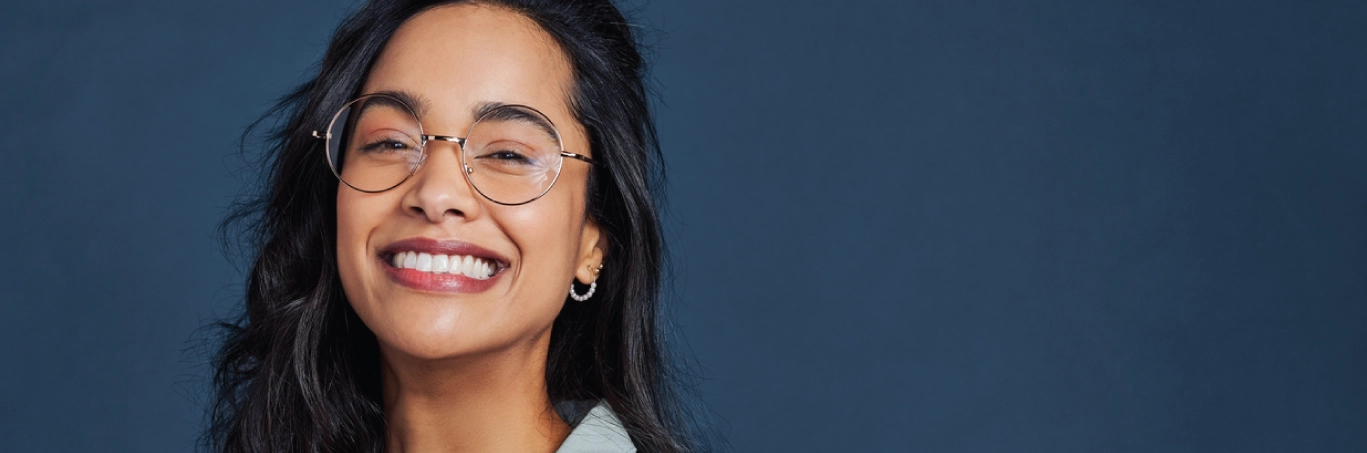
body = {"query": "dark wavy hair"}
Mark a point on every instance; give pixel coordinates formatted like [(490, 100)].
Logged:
[(299, 372)]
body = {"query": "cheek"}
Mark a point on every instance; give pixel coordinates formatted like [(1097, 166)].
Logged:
[(355, 221), (547, 234), (542, 240), (347, 228)]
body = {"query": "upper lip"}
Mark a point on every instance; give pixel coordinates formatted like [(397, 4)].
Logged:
[(442, 247)]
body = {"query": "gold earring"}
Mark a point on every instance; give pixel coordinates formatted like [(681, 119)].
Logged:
[(596, 270)]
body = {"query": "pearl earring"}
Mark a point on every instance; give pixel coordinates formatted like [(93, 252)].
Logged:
[(592, 286)]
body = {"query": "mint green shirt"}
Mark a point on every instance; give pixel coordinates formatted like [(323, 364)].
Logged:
[(599, 432)]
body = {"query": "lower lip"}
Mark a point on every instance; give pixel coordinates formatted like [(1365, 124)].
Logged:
[(444, 283)]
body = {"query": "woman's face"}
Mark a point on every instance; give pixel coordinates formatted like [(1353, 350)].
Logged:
[(452, 60)]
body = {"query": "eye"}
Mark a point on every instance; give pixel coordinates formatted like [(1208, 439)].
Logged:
[(385, 145), (505, 155)]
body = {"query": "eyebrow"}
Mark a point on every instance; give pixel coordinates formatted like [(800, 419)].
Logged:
[(415, 102), (387, 100), (486, 108), (420, 105)]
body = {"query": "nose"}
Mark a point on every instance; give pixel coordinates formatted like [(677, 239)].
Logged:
[(439, 189)]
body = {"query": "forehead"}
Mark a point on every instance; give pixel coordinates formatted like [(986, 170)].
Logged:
[(458, 57)]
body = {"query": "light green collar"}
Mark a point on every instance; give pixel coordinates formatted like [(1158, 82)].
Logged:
[(599, 432)]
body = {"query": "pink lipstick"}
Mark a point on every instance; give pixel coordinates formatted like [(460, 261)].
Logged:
[(441, 266)]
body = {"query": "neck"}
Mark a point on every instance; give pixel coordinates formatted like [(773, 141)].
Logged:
[(491, 402)]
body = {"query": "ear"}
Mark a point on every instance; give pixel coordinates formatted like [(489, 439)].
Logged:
[(590, 253)]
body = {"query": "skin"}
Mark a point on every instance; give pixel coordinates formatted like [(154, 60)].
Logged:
[(466, 371)]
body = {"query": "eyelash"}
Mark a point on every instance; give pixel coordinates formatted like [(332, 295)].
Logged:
[(383, 145), (507, 156)]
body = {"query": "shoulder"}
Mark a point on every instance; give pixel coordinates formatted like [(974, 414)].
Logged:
[(600, 431)]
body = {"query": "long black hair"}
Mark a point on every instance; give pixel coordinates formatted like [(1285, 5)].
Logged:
[(299, 372)]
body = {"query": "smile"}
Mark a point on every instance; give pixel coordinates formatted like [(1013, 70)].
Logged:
[(441, 265), (467, 265)]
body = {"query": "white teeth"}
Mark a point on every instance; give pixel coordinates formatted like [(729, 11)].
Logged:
[(469, 266)]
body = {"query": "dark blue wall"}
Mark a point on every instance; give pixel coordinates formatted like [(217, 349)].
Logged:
[(968, 226)]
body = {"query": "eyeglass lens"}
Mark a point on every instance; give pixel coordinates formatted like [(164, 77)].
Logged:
[(512, 153)]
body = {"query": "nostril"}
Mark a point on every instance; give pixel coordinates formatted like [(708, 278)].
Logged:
[(420, 212)]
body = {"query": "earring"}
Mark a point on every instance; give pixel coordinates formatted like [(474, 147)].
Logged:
[(592, 286), (587, 295)]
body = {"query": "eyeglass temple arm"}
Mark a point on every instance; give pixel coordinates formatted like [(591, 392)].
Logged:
[(578, 156)]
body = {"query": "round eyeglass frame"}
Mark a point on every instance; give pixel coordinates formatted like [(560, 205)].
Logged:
[(326, 136)]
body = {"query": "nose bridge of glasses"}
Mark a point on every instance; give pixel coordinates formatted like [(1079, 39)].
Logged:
[(459, 149), (445, 138), (459, 141)]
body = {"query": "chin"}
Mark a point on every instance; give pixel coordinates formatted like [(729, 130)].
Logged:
[(428, 325), (429, 329)]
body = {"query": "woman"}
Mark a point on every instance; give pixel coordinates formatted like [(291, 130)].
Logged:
[(457, 249)]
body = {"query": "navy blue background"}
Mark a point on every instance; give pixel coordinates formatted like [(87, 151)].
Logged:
[(953, 226)]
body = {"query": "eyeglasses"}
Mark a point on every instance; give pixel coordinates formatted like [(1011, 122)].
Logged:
[(512, 155)]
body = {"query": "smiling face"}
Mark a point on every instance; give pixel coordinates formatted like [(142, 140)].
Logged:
[(452, 61)]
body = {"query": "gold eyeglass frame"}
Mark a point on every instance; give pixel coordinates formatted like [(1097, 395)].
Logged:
[(326, 136)]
